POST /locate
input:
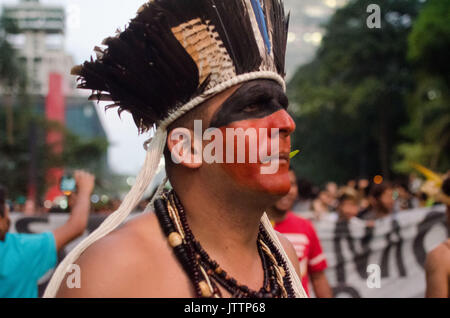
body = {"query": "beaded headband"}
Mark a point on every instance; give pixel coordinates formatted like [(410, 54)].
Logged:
[(173, 56)]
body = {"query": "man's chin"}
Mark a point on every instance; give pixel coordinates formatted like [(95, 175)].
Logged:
[(277, 184), (248, 178), (277, 190)]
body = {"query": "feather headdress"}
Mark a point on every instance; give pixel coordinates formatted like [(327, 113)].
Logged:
[(176, 50), (173, 56)]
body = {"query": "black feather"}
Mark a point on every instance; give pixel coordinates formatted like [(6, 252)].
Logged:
[(145, 70), (280, 24)]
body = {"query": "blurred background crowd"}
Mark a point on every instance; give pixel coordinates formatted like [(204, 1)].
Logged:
[(364, 199)]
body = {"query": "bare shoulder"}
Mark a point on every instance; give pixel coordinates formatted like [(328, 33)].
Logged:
[(439, 258), (438, 271), (112, 266)]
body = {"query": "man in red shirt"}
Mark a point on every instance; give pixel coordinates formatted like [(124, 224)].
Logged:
[(301, 233)]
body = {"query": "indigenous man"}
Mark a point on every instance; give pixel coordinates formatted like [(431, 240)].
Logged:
[(201, 71)]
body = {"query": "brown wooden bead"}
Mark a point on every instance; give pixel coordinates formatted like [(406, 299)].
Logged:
[(206, 292), (175, 239)]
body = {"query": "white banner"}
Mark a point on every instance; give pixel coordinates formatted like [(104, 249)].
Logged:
[(384, 261)]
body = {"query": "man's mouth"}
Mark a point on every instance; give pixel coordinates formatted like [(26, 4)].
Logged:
[(282, 157)]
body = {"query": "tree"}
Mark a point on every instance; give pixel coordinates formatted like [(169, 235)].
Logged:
[(428, 130), (12, 77), (351, 99), (429, 42), (17, 161)]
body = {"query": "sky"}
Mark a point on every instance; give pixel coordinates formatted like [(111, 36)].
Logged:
[(90, 21)]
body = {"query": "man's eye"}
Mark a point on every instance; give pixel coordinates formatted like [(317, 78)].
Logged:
[(250, 108)]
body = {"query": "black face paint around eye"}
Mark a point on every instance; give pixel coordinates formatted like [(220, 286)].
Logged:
[(256, 99)]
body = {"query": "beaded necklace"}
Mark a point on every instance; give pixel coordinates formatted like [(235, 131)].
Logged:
[(204, 273)]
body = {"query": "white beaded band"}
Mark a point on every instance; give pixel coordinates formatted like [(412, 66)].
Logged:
[(218, 89)]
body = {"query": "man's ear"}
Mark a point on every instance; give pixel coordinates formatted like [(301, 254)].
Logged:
[(184, 149)]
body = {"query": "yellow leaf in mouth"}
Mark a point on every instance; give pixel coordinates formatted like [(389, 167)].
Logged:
[(294, 153)]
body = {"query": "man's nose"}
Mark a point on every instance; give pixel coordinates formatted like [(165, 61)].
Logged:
[(284, 122)]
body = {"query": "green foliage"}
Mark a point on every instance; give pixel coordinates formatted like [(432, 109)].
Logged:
[(78, 152), (428, 130), (429, 42), (15, 157), (350, 101), (11, 70), (30, 149)]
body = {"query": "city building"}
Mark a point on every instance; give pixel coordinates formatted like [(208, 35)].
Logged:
[(40, 45)]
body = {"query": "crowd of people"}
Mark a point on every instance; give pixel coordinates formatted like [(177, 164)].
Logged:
[(363, 199)]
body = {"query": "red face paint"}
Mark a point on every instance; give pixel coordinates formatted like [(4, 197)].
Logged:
[(248, 175)]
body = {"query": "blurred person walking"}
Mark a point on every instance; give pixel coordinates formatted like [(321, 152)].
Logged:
[(25, 258), (381, 200), (348, 206), (304, 238), (332, 189), (323, 205), (405, 199)]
